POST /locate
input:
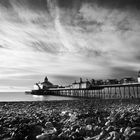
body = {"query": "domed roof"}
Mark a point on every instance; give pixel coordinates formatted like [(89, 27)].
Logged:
[(47, 83), (46, 79)]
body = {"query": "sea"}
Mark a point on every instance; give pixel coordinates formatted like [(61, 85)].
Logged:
[(22, 96)]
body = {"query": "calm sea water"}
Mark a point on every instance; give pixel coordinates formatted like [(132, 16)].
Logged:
[(21, 96)]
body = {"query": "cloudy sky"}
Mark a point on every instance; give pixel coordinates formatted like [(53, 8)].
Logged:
[(67, 39)]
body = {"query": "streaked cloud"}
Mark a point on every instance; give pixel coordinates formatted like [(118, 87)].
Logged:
[(67, 40)]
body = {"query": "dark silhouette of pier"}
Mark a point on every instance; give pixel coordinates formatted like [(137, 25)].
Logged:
[(116, 91)]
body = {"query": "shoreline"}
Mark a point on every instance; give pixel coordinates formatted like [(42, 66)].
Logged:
[(78, 99)]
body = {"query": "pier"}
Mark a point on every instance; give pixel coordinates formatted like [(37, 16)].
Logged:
[(116, 91)]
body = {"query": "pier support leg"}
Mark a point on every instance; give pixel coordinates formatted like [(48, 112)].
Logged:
[(120, 92), (129, 92), (124, 92), (134, 92)]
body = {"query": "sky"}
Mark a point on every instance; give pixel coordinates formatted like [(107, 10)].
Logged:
[(66, 40)]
